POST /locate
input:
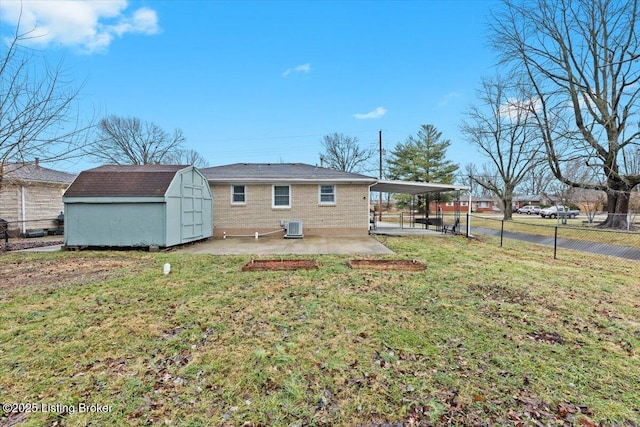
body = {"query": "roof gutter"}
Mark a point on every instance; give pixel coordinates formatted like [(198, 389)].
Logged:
[(267, 181)]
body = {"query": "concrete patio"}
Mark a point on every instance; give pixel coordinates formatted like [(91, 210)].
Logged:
[(309, 245)]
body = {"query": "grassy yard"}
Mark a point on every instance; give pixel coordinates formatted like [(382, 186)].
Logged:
[(483, 336)]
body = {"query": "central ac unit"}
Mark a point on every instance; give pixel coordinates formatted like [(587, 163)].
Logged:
[(294, 229)]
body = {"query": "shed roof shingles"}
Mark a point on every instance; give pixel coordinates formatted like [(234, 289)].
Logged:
[(124, 181)]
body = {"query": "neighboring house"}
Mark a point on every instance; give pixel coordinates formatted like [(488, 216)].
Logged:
[(450, 206), (478, 205), (484, 204), (31, 196), (532, 199), (137, 206), (264, 197)]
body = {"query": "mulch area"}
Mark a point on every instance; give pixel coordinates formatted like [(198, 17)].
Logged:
[(19, 244), (280, 264)]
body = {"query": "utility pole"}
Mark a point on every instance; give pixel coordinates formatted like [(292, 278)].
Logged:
[(380, 175)]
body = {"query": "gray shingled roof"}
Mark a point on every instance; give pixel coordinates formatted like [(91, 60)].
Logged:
[(272, 172), (33, 173), (124, 181)]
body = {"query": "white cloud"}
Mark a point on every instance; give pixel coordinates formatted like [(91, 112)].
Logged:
[(375, 114), (518, 109), (89, 25), (303, 68), (444, 101)]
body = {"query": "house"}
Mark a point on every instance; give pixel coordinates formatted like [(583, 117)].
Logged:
[(478, 205), (137, 206), (265, 198), (482, 204), (530, 199), (31, 196)]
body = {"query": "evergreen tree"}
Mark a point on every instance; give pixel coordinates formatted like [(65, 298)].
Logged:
[(422, 158)]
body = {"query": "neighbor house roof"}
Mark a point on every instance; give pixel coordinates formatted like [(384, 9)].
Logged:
[(528, 198), (124, 181), (281, 172), (35, 173)]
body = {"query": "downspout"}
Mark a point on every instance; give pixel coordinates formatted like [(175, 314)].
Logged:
[(369, 207), (24, 214)]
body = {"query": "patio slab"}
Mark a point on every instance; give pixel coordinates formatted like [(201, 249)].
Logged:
[(310, 245)]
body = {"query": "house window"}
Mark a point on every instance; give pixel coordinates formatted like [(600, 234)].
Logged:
[(327, 194), (449, 204), (464, 203), (281, 196), (238, 195), (483, 204)]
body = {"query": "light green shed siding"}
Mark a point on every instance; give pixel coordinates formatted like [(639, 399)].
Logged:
[(183, 214), (114, 224), (191, 200)]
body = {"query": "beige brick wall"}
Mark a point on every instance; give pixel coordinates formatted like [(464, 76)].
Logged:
[(43, 203), (348, 216)]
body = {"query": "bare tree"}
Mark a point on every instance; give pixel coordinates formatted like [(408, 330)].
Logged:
[(591, 201), (39, 108), (464, 176), (501, 128), (343, 153), (130, 141), (537, 180), (581, 59), (188, 157), (563, 194)]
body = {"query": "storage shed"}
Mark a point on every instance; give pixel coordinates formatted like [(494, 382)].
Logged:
[(137, 206)]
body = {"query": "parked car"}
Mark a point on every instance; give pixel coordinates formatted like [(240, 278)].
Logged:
[(559, 211), (529, 209)]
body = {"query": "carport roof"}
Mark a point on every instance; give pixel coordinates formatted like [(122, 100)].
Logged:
[(414, 188)]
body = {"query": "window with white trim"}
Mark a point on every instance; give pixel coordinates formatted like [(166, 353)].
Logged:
[(327, 194), (238, 195), (281, 196)]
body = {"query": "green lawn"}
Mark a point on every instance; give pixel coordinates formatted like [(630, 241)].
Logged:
[(485, 335)]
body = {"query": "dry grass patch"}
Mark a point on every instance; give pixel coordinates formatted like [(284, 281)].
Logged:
[(484, 336)]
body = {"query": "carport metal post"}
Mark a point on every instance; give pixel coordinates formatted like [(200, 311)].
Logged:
[(380, 176), (469, 217)]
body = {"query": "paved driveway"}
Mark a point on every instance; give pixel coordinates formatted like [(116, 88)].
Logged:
[(310, 245)]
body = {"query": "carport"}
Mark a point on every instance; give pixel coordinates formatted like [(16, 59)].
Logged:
[(415, 189)]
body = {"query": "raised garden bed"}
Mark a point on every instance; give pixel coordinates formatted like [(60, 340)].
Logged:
[(387, 264), (280, 264)]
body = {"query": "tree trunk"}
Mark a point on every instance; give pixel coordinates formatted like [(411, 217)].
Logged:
[(617, 210), (508, 211)]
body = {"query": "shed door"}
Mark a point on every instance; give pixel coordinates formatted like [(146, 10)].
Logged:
[(192, 214)]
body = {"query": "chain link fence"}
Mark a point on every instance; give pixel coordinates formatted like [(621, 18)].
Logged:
[(31, 228), (560, 234)]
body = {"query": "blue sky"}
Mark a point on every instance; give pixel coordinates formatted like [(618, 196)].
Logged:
[(264, 81)]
